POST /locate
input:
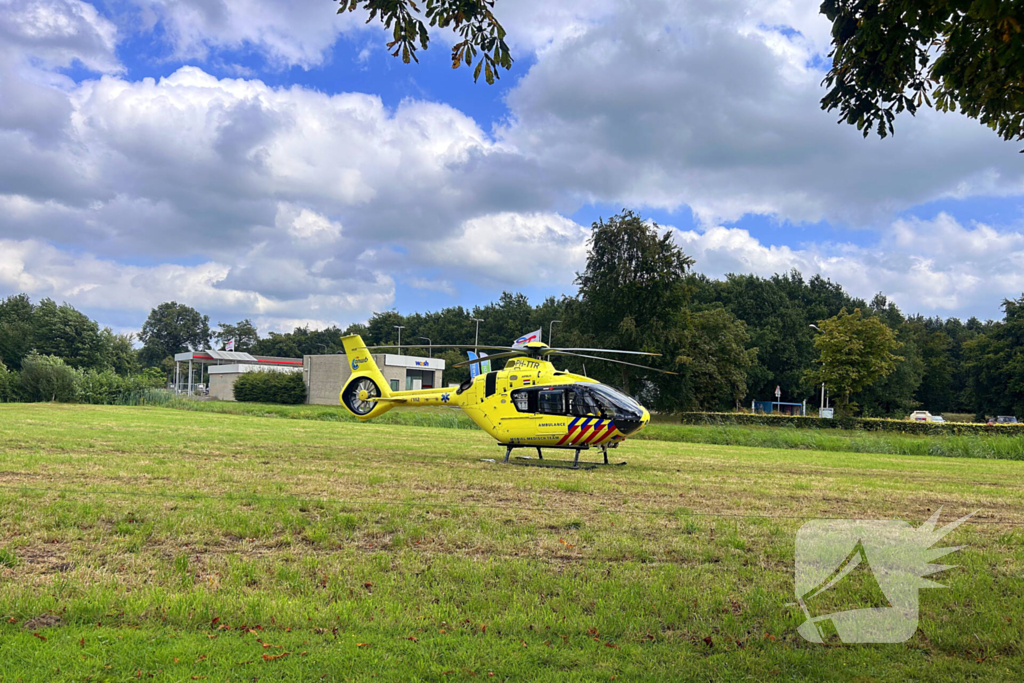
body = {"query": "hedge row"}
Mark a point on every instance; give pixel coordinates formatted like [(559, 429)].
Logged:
[(870, 424), (271, 387)]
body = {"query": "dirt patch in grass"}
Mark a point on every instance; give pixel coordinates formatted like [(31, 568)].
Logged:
[(43, 621)]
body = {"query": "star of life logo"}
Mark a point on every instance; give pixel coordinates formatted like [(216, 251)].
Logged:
[(859, 579)]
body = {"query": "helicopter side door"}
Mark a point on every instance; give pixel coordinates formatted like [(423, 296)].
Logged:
[(542, 414)]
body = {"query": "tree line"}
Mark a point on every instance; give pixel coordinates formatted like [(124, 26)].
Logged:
[(731, 340)]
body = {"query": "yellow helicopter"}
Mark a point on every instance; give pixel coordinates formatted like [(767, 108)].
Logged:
[(528, 404)]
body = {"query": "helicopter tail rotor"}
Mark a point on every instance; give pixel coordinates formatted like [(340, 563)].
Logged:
[(367, 383)]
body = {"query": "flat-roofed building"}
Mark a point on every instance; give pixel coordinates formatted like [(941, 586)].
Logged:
[(215, 372), (326, 375)]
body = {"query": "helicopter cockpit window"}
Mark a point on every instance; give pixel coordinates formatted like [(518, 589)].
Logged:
[(581, 403), (614, 404), (551, 402)]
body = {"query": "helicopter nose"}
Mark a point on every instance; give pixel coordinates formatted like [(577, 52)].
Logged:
[(631, 426)]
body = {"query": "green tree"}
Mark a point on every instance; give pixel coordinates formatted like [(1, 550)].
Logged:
[(67, 333), (891, 56), (299, 342), (243, 333), (505, 320), (936, 391), (381, 329), (277, 344), (854, 352), (119, 352), (893, 395), (995, 361), (777, 313), (15, 329), (357, 328), (482, 37), (715, 361), (633, 290), (173, 328)]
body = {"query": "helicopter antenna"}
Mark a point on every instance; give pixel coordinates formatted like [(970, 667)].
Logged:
[(613, 360)]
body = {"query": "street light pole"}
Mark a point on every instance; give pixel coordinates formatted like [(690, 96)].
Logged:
[(551, 337), (476, 341), (430, 346), (399, 328)]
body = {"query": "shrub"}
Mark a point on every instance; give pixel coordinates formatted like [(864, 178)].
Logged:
[(271, 387), (47, 378), (870, 424), (105, 387), (152, 378), (99, 387)]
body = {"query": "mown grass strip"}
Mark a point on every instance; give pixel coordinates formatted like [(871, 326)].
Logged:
[(997, 447)]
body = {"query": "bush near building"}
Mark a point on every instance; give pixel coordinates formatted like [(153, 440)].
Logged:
[(271, 387), (869, 424)]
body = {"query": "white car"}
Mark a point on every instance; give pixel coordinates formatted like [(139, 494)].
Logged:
[(936, 418), (921, 416)]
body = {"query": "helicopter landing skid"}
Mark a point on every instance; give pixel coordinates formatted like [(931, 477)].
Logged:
[(575, 464)]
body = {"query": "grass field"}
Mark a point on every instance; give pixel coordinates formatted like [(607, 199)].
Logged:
[(666, 429), (158, 544)]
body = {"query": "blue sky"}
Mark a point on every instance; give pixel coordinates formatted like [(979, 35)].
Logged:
[(281, 166)]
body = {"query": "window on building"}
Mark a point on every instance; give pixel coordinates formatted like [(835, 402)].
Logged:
[(425, 377), (394, 385)]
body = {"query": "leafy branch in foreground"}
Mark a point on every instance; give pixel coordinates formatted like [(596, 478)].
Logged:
[(482, 36), (891, 56)]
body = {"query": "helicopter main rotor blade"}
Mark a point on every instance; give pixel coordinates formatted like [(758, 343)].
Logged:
[(440, 346), (613, 360), (632, 353), (497, 356)]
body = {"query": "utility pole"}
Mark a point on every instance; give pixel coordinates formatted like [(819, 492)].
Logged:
[(551, 337), (430, 346), (399, 328)]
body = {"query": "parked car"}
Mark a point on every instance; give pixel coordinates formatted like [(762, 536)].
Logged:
[(921, 416), (936, 418), (1003, 420)]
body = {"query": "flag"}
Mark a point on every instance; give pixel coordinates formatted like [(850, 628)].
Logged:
[(230, 346), (534, 336), (474, 368), (485, 367)]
